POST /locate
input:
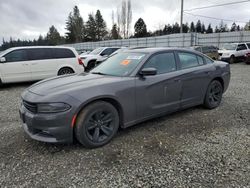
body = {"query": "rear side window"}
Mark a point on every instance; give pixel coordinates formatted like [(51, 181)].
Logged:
[(163, 63), (241, 47), (39, 53), (208, 60), (16, 55), (63, 53), (200, 60), (248, 45), (188, 60)]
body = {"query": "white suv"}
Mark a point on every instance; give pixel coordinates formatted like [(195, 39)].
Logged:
[(97, 55), (22, 64), (233, 52)]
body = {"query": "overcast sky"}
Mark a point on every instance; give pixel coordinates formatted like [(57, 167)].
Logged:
[(28, 19)]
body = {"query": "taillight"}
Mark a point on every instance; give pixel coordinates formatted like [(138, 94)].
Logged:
[(80, 61)]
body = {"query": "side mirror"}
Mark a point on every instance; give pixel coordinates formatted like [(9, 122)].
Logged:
[(148, 72), (2, 59)]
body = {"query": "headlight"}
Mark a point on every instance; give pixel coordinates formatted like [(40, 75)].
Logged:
[(52, 107)]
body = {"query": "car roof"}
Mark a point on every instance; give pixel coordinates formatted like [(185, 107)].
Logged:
[(154, 50), (28, 47)]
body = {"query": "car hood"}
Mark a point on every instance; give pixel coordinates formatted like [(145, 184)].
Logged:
[(64, 84), (226, 51), (88, 55)]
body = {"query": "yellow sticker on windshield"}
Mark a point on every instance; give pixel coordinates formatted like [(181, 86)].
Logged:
[(125, 62)]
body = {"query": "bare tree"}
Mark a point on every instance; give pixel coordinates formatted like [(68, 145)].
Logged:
[(129, 16), (113, 17), (118, 16), (124, 18)]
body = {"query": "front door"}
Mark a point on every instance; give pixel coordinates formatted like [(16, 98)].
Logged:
[(159, 93), (16, 68)]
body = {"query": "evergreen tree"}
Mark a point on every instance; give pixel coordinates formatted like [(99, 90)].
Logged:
[(91, 28), (176, 28), (140, 28), (185, 28), (75, 27), (209, 29), (198, 27), (100, 26), (53, 36), (114, 32), (192, 27), (203, 28)]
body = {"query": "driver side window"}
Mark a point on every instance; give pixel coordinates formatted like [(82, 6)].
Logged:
[(17, 55), (163, 63)]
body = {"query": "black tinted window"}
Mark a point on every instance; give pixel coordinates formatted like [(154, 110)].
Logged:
[(241, 47), (63, 53), (39, 53), (164, 62), (107, 51), (17, 55), (188, 60), (248, 45)]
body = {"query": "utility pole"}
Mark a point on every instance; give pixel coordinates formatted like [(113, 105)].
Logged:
[(181, 16)]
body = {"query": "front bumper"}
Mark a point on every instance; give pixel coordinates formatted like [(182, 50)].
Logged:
[(226, 59), (51, 128)]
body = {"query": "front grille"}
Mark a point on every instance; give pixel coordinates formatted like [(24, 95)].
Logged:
[(30, 106)]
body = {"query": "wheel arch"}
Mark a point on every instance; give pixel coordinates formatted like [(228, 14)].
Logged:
[(107, 99), (65, 66), (220, 79)]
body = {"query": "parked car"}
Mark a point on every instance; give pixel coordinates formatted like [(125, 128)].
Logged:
[(247, 58), (234, 52), (122, 49), (22, 64), (98, 54), (128, 88), (210, 51)]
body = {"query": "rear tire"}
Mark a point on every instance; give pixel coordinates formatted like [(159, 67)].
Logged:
[(97, 124), (213, 95), (65, 70)]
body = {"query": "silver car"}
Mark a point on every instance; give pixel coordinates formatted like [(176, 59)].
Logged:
[(128, 88)]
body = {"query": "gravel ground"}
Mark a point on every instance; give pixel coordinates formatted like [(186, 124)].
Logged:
[(192, 148)]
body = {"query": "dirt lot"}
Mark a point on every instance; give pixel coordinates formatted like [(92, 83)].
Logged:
[(192, 148)]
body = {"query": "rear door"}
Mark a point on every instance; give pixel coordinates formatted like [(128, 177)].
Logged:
[(241, 50), (159, 93), (16, 68), (195, 76)]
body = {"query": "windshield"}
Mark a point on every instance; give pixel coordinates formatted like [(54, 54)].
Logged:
[(229, 46), (121, 64), (96, 51)]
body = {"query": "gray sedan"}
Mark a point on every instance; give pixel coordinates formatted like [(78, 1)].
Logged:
[(128, 88)]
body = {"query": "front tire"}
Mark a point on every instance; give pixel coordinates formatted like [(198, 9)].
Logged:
[(232, 59), (213, 95), (97, 124), (91, 65)]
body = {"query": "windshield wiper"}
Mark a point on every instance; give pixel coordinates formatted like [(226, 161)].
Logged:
[(100, 73)]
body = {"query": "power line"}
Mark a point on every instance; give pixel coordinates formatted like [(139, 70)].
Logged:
[(218, 5), (214, 18), (209, 17)]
